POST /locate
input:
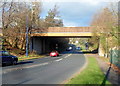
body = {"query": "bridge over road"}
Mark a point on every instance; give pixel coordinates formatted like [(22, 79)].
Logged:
[(43, 40)]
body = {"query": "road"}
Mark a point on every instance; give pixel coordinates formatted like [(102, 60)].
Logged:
[(48, 70)]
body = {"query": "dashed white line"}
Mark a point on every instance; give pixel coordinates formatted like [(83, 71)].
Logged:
[(67, 55), (58, 60)]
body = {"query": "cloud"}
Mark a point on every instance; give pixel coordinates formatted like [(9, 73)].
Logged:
[(77, 22), (70, 23), (74, 13)]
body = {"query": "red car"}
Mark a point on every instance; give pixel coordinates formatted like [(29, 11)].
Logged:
[(54, 53)]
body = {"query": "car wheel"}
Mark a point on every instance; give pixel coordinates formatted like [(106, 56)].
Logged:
[(14, 62)]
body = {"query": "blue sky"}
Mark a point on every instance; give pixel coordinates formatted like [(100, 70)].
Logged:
[(74, 14)]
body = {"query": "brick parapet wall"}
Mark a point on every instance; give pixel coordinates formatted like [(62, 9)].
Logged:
[(64, 29)]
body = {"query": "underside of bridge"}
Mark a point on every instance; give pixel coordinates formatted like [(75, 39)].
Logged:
[(43, 45), (46, 44)]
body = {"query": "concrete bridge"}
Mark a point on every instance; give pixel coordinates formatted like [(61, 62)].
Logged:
[(45, 40)]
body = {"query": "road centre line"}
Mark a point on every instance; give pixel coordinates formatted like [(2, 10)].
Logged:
[(67, 55), (58, 60)]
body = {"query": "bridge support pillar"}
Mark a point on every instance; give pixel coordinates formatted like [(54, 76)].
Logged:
[(43, 45), (36, 45), (100, 50)]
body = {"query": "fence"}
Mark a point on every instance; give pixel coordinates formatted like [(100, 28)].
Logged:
[(115, 57)]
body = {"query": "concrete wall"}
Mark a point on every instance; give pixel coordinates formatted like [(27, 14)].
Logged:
[(100, 50), (40, 45), (36, 45), (46, 44), (43, 45)]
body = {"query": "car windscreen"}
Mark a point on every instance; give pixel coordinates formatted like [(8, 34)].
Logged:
[(4, 53)]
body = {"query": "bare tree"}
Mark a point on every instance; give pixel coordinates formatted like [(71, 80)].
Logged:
[(14, 21), (106, 23)]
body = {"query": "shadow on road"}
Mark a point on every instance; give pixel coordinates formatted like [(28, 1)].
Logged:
[(25, 62), (80, 52), (19, 63)]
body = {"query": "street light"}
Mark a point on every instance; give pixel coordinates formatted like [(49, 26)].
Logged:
[(27, 35), (27, 32)]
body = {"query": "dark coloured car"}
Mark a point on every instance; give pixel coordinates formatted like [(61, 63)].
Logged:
[(69, 49), (78, 48), (7, 59)]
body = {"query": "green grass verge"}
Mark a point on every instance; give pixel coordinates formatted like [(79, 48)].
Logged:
[(32, 56), (90, 75)]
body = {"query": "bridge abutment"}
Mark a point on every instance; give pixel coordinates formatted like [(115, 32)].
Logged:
[(101, 51), (36, 45), (42, 45)]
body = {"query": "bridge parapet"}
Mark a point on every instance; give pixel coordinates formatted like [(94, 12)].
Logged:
[(70, 29), (63, 31)]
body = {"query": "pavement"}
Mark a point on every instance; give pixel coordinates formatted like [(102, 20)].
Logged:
[(110, 73), (48, 70)]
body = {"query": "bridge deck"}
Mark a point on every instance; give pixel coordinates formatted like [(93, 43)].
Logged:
[(63, 31)]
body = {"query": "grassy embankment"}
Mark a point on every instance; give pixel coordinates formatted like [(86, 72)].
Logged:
[(31, 56), (21, 55), (90, 75)]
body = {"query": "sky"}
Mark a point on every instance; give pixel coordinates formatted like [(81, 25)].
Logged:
[(74, 13)]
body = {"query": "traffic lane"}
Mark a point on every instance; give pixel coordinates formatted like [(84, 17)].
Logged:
[(44, 59), (53, 73), (27, 63), (58, 72)]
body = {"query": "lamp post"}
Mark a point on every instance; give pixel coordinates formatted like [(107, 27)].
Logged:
[(27, 35)]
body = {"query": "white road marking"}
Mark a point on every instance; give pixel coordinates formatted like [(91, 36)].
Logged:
[(67, 55), (64, 57), (58, 60)]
